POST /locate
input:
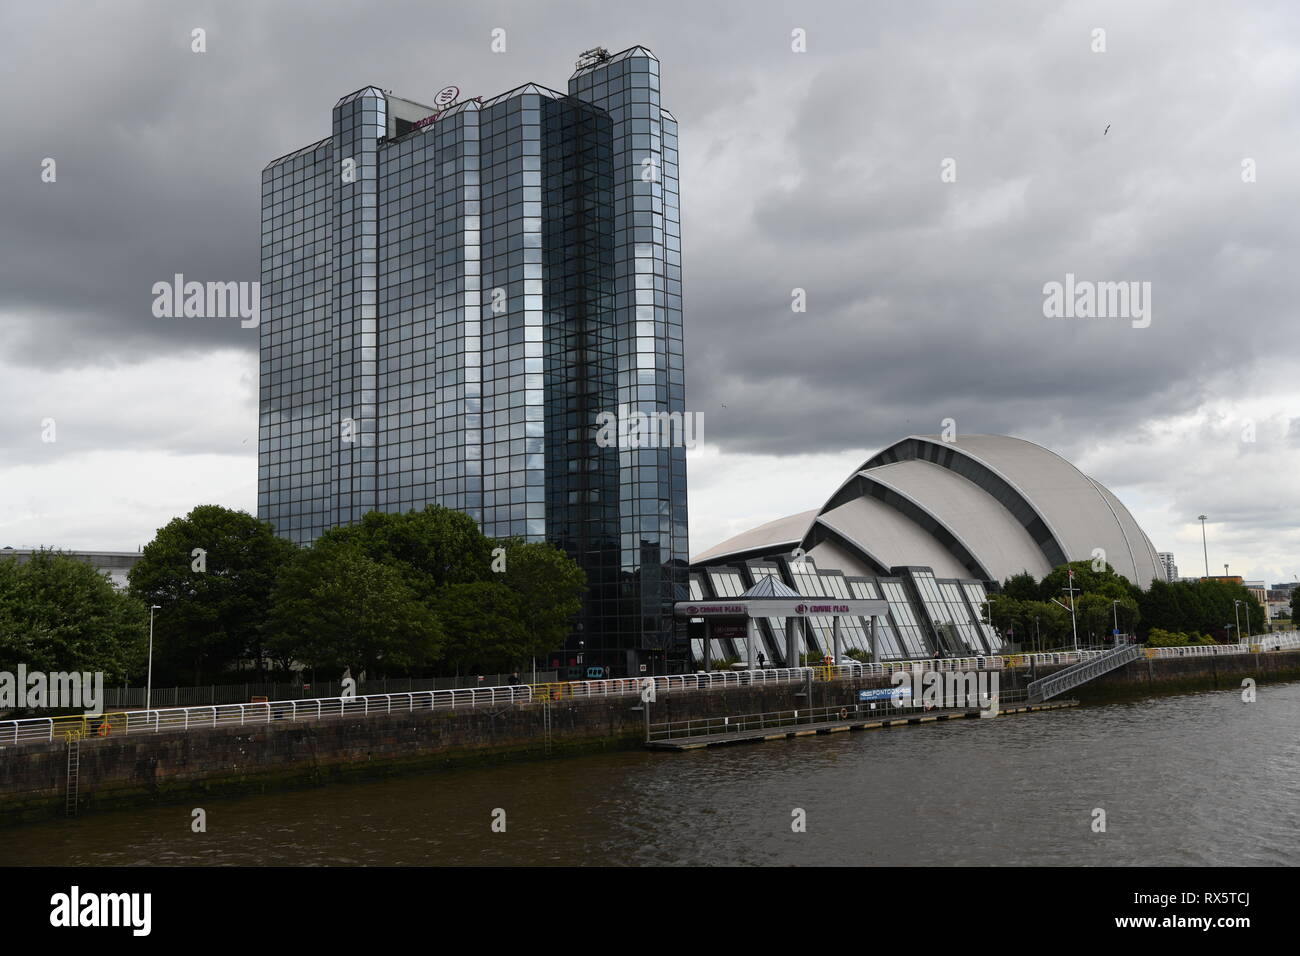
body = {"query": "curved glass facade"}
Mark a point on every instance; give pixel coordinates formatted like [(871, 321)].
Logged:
[(926, 614)]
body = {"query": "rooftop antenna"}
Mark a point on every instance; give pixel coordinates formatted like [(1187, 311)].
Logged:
[(597, 54)]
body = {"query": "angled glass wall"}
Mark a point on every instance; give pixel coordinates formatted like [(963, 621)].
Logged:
[(907, 621), (295, 421), (359, 121)]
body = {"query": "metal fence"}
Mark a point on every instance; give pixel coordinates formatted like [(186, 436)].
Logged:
[(184, 718), (123, 697), (1259, 643)]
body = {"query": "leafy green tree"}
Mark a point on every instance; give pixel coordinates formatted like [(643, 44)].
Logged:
[(1158, 637), (1295, 604), (1047, 623), (1193, 612), (1096, 615), (549, 587), (58, 613), (1163, 607), (214, 603), (334, 607), (1005, 613), (1040, 623), (437, 549), (431, 548), (1021, 587), (1219, 598), (1201, 607), (483, 622), (1086, 581)]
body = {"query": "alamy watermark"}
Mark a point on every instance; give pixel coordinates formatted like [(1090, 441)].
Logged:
[(636, 429), (935, 689), (58, 690), (1084, 299), (128, 910), (208, 300)]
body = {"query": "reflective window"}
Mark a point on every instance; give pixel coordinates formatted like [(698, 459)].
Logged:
[(443, 323)]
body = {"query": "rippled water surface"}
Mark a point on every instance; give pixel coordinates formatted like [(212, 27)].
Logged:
[(1195, 779)]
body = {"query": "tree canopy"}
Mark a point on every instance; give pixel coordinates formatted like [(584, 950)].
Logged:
[(431, 548), (1197, 608), (336, 607), (484, 626), (211, 574), (549, 588), (1202, 607), (494, 605), (395, 594), (58, 613)]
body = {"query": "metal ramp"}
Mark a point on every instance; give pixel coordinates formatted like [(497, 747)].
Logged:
[(1082, 672)]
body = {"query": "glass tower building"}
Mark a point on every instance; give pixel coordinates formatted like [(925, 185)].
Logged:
[(450, 299)]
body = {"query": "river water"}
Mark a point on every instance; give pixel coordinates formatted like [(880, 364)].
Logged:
[(1197, 779)]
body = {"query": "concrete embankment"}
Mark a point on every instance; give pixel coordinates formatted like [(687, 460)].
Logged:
[(150, 768), (1173, 675)]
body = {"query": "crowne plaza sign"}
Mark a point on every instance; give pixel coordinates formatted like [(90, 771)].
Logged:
[(779, 607)]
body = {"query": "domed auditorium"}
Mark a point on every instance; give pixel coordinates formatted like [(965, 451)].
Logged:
[(928, 525)]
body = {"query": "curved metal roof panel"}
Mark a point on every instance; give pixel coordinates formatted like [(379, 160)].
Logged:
[(782, 532), (889, 537), (1146, 562), (975, 518), (1081, 517)]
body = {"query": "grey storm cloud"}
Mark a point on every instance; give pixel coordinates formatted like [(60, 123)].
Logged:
[(924, 298)]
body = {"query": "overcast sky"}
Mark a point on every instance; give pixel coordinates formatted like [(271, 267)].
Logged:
[(819, 170)]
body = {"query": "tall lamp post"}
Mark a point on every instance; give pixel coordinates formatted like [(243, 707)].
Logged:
[(988, 616), (1238, 619), (1114, 607), (148, 684), (1204, 550)]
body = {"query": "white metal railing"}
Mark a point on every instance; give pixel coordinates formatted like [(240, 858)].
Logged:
[(38, 729), (974, 663), (214, 715), (1287, 640)]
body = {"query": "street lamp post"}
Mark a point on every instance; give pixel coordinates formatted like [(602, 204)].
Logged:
[(148, 684), (1205, 550), (1114, 606), (1236, 618)]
